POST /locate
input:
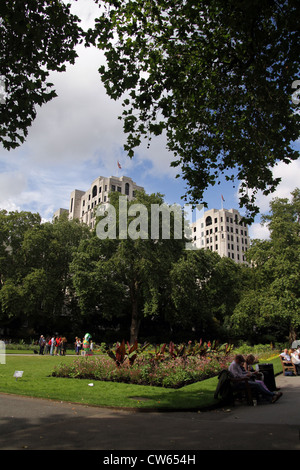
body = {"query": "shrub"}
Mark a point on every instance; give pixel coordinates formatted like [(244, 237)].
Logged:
[(169, 373)]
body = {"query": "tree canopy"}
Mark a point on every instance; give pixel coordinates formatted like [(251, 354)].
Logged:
[(215, 77), (36, 37), (271, 305), (35, 285)]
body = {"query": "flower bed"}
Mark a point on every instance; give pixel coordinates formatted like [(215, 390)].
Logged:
[(170, 373)]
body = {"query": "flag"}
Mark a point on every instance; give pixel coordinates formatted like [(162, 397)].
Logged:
[(222, 198), (119, 166)]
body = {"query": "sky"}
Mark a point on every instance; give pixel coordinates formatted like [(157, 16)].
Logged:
[(77, 137)]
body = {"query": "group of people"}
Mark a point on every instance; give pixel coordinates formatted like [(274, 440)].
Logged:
[(53, 345), (57, 345), (242, 370), (292, 355)]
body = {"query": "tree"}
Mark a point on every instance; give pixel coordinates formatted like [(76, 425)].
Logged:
[(205, 291), (216, 77), (35, 37), (272, 304), (35, 282), (127, 276)]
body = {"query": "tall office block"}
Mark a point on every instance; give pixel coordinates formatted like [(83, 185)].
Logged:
[(222, 231)]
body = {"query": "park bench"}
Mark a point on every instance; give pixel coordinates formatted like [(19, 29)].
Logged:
[(288, 366)]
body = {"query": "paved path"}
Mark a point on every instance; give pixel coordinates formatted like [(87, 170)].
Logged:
[(36, 424)]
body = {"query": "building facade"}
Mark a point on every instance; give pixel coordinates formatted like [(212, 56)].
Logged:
[(222, 231), (83, 203)]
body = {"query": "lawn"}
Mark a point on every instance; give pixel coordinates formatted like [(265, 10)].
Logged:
[(38, 382)]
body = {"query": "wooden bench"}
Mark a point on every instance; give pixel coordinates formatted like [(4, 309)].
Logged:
[(288, 366), (245, 392)]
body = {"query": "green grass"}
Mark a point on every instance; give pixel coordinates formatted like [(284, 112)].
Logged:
[(38, 382)]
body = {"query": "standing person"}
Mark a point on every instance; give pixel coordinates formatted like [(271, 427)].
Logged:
[(77, 345), (63, 346), (47, 345), (52, 344), (42, 344), (295, 360), (57, 346)]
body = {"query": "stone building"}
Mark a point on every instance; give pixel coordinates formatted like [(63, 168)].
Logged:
[(83, 203), (222, 231)]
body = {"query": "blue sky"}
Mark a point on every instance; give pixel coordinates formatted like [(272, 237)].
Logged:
[(78, 137)]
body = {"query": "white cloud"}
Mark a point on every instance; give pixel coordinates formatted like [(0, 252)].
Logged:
[(290, 179), (12, 185), (259, 231)]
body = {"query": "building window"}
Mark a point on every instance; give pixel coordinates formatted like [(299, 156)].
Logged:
[(113, 188), (208, 220), (127, 189), (94, 192)]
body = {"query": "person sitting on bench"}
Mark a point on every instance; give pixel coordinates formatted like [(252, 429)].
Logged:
[(285, 355), (241, 375)]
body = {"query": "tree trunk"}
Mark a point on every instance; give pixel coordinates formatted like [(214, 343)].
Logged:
[(292, 334), (135, 320)]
